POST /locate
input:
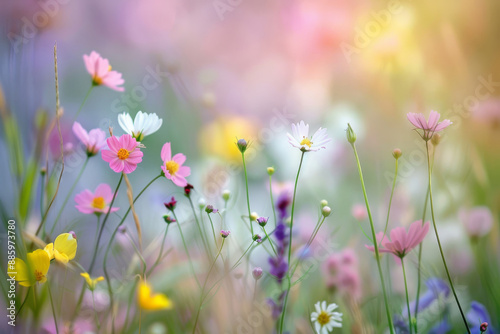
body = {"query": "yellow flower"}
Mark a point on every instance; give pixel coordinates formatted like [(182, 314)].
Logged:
[(63, 249), (149, 301), (34, 271), (91, 281)]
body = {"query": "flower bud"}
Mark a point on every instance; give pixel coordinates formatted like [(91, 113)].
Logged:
[(351, 136), (436, 139), (262, 221), (226, 194), (168, 219), (323, 203), (202, 203), (224, 234), (171, 205), (210, 209), (73, 234), (123, 229), (257, 273), (257, 238), (483, 327), (187, 190), (254, 216), (43, 171), (397, 153), (242, 145), (326, 211), (270, 170)]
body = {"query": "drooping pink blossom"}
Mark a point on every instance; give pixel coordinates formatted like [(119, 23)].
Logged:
[(101, 73), (173, 166), (93, 140), (401, 242), (95, 202), (477, 221), (429, 127), (123, 155)]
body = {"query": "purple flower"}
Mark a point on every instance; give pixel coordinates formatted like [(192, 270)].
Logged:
[(224, 234), (262, 221), (476, 316), (435, 288), (210, 209)]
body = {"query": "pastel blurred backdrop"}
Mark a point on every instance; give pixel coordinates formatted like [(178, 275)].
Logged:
[(216, 71)]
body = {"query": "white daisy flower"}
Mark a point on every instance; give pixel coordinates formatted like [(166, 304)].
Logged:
[(325, 319), (300, 138), (143, 125)]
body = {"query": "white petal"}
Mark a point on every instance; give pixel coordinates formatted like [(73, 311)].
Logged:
[(323, 305), (317, 307), (317, 327), (331, 307), (139, 121), (126, 123)]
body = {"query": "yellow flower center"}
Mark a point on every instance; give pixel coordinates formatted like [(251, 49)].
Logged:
[(172, 167), (306, 141), (38, 275), (323, 318), (98, 203), (97, 81), (123, 154)]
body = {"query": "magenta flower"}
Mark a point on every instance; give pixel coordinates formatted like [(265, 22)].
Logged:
[(96, 202), (93, 140), (429, 127), (101, 72), (401, 242), (172, 166), (123, 154)]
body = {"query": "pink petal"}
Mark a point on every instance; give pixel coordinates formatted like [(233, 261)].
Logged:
[(129, 167), (113, 144), (80, 133), (183, 171), (179, 158), (433, 120), (117, 165), (166, 152), (443, 125), (104, 190), (179, 180), (108, 155)]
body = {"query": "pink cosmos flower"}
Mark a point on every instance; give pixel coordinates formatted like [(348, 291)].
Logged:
[(123, 154), (101, 72), (478, 221), (172, 166), (93, 140), (429, 127), (359, 212), (401, 242), (96, 202)]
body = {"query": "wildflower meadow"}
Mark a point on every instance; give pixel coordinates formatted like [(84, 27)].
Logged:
[(249, 167)]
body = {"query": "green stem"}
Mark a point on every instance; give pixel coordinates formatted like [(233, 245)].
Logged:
[(272, 200), (104, 224), (108, 248), (24, 302), (419, 278), (53, 309), (205, 284), (186, 249), (95, 313), (390, 202), (439, 242), (213, 231), (161, 252), (42, 191), (84, 100), (375, 243), (407, 298), (246, 187), (202, 234), (138, 254), (69, 195), (290, 241), (270, 241)]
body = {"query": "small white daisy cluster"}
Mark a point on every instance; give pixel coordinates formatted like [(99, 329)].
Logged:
[(324, 319)]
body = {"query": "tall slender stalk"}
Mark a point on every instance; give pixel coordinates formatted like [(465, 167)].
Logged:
[(290, 242), (407, 299), (68, 196), (103, 224), (186, 249), (161, 252), (83, 102), (272, 200), (108, 248), (246, 187), (437, 238), (375, 243), (205, 285), (202, 234), (390, 201), (419, 265), (53, 309), (213, 231)]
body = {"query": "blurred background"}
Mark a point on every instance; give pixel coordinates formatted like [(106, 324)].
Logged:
[(218, 70)]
